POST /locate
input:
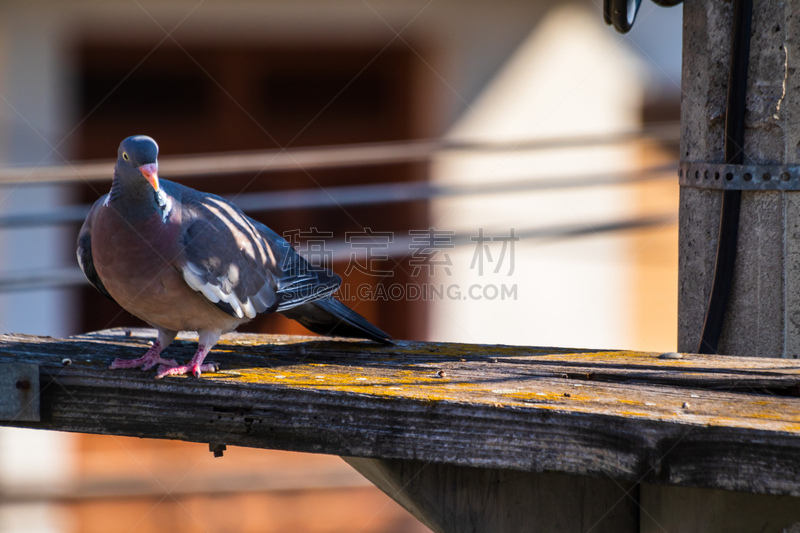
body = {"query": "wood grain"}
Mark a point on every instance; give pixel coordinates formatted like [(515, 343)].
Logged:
[(704, 421)]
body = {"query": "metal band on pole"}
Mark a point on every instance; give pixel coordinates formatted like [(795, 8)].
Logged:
[(731, 177)]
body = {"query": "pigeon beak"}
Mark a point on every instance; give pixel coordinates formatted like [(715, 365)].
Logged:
[(150, 173)]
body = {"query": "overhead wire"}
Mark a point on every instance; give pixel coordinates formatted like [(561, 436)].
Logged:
[(328, 157), (368, 195), (400, 246)]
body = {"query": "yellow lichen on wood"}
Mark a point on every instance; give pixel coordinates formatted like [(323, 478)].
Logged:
[(695, 389), (421, 382)]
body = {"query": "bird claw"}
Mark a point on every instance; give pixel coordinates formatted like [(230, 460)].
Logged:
[(127, 363), (161, 362), (195, 370)]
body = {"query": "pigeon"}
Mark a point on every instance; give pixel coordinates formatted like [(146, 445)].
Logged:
[(185, 260)]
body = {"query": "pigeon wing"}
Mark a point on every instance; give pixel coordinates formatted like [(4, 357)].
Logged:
[(84, 251), (240, 265)]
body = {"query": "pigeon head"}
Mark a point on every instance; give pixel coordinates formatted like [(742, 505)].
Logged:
[(137, 158)]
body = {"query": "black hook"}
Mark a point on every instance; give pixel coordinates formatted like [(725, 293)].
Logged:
[(622, 13)]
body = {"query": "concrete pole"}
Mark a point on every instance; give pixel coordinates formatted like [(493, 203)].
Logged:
[(763, 316)]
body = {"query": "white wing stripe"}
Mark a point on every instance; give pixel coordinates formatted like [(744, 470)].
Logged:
[(237, 308), (248, 309), (192, 276)]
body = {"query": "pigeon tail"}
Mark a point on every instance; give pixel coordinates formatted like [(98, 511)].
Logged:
[(328, 316)]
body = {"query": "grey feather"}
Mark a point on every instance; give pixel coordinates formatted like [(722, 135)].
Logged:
[(239, 264), (84, 253), (328, 316)]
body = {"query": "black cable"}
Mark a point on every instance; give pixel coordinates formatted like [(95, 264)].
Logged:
[(62, 277), (731, 200), (330, 156), (367, 195)]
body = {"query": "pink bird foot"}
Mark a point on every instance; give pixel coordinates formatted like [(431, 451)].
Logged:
[(146, 362), (195, 370), (152, 357), (195, 367)]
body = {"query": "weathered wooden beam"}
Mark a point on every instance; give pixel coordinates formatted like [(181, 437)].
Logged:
[(703, 421), (693, 510), (19, 391), (464, 499)]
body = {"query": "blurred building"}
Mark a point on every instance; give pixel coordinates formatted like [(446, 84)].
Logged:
[(202, 77)]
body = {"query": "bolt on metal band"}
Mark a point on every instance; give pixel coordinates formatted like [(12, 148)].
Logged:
[(739, 177)]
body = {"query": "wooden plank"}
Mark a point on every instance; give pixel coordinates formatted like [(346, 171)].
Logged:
[(694, 510), (473, 500), (19, 391), (705, 421)]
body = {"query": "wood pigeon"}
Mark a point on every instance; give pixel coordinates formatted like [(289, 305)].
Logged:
[(184, 260)]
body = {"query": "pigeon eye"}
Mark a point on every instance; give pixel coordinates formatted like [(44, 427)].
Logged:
[(125, 156)]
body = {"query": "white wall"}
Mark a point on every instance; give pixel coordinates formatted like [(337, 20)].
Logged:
[(570, 77)]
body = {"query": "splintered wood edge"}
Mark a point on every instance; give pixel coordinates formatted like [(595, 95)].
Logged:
[(531, 409)]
